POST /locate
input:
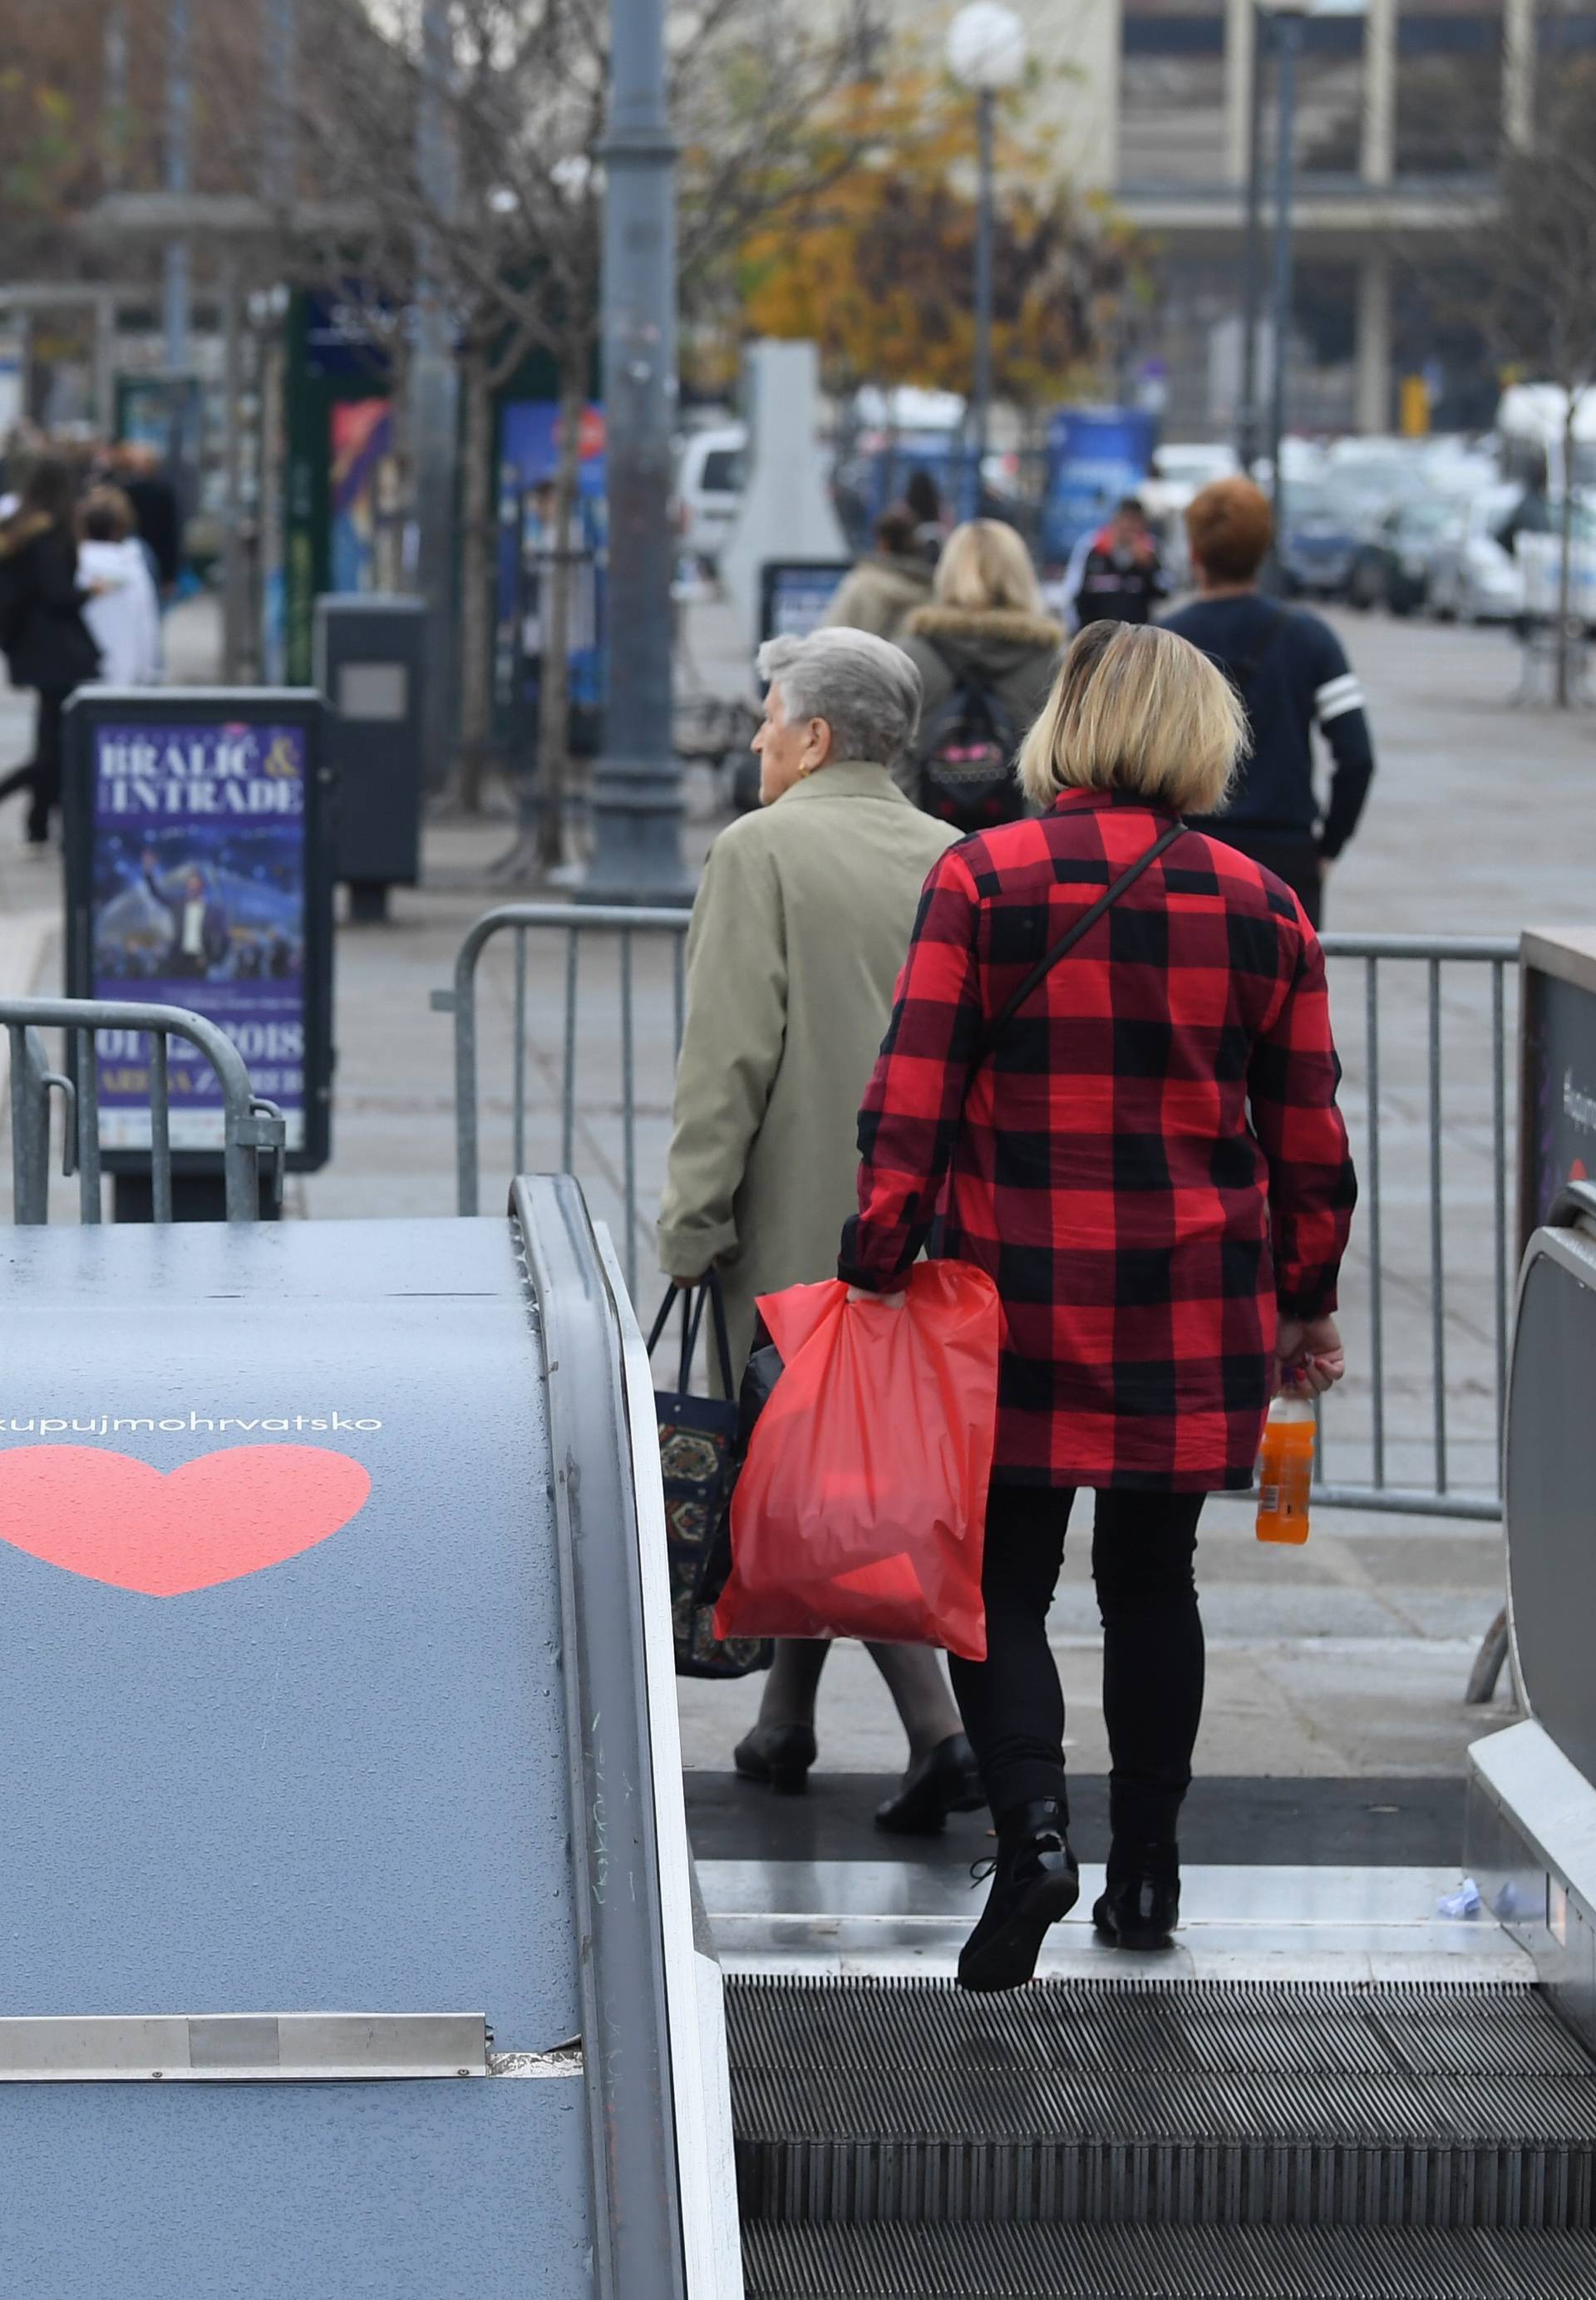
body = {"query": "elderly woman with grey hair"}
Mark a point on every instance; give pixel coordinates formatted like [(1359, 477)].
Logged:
[(801, 924)]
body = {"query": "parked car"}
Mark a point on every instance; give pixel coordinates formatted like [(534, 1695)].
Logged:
[(1324, 527), (1392, 565), (709, 484), (1471, 578)]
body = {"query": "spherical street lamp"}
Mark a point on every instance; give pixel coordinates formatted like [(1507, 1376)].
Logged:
[(986, 52)]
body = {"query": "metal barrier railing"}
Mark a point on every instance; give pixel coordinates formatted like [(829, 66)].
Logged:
[(251, 1126), (1416, 1428)]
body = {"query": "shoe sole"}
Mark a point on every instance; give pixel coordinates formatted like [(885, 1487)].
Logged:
[(1008, 1959), (786, 1780), (1135, 1944)]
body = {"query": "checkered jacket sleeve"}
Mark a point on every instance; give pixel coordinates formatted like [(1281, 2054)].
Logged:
[(1291, 1083), (909, 1124)]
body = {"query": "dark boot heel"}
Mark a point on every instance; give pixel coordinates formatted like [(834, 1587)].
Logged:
[(1142, 1906), (1035, 1882), (778, 1757)]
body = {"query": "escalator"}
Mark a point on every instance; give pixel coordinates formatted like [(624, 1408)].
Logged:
[(1326, 2093)]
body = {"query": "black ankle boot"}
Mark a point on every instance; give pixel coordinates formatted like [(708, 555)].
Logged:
[(777, 1755), (1141, 1907), (943, 1781), (1034, 1883)]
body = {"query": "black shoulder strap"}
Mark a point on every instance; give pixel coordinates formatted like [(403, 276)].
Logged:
[(1067, 943)]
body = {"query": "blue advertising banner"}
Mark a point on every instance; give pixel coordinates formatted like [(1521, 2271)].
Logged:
[(198, 892)]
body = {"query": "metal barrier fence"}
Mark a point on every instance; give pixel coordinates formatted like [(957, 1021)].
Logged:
[(587, 1023), (251, 1126)]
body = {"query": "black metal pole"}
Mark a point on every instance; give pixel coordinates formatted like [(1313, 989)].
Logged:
[(981, 395), (434, 400), (636, 782), (1253, 250), (1288, 41)]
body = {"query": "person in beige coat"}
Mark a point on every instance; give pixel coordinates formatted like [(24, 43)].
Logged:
[(889, 583), (800, 927)]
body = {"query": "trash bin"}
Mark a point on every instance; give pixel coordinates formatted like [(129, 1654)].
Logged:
[(371, 665)]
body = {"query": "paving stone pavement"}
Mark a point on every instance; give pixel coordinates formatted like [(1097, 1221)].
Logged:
[(1347, 1657)]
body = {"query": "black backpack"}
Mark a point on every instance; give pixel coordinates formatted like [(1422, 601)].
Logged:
[(966, 757)]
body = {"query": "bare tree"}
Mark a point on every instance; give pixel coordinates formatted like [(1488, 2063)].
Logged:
[(518, 244)]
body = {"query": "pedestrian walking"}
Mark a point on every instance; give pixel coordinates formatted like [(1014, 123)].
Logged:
[(986, 655), (1121, 576), (922, 498), (1138, 1113), (122, 612), (157, 514), (43, 635), (883, 590), (1292, 676), (798, 934)]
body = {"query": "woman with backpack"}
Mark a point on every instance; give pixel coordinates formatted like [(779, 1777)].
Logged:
[(43, 635), (986, 655)]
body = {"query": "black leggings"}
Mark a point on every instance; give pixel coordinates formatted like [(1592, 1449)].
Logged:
[(1142, 1560)]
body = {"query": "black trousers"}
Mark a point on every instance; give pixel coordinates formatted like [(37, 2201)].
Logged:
[(44, 783), (1142, 1550)]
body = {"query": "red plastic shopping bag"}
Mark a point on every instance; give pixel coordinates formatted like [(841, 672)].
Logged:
[(861, 1508)]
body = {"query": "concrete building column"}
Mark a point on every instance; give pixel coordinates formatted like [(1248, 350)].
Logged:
[(1240, 57), (1373, 385), (1380, 91), (1518, 71)]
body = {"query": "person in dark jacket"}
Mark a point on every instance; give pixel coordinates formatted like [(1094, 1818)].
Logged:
[(1121, 576), (1152, 1169), (156, 510), (1292, 676), (43, 635)]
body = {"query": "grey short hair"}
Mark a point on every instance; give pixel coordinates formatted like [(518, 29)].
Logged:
[(867, 691)]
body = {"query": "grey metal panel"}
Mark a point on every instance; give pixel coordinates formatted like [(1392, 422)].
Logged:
[(1551, 1533), (247, 2048), (294, 2192), (341, 1780), (625, 2027)]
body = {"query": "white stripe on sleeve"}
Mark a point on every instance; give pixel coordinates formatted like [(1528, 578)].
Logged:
[(1337, 696)]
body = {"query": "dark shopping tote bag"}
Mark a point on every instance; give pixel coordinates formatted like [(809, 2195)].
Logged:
[(699, 1460)]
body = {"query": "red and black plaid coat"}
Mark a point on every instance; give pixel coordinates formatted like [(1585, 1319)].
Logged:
[(1149, 1159)]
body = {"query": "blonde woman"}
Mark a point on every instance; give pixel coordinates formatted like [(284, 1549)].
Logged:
[(1113, 1033), (986, 655)]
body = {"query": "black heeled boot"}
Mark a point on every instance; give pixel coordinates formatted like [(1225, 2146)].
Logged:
[(1142, 1906), (777, 1756), (945, 1780), (1034, 1882)]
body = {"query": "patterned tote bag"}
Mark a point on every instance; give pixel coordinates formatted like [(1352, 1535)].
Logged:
[(699, 1457)]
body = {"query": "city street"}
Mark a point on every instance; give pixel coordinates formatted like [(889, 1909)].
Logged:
[(1346, 1658)]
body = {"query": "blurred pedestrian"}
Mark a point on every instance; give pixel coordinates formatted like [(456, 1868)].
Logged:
[(1120, 575), (1532, 514), (123, 614), (799, 932), (1138, 1114), (43, 635), (924, 499), (1292, 676), (157, 515), (888, 583), (986, 655)]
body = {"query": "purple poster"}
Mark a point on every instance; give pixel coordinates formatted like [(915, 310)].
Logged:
[(199, 870)]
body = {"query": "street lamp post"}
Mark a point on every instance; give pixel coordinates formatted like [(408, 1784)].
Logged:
[(986, 51), (637, 783), (1288, 15), (1252, 245), (179, 108)]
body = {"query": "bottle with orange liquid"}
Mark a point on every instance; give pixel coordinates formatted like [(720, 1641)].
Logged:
[(1285, 1468)]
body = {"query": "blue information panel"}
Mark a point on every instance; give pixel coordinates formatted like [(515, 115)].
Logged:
[(199, 880), (794, 595)]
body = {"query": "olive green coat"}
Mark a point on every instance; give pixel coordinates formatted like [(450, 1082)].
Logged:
[(801, 925)]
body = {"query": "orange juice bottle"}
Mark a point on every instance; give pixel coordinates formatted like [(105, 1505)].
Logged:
[(1285, 1469)]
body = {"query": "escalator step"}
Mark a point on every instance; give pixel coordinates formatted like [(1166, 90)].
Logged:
[(1038, 2262), (1281, 2104)]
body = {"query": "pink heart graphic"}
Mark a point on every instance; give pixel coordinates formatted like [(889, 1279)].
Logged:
[(115, 1519)]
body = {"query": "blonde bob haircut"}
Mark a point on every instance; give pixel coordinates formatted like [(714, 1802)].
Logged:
[(1138, 710), (984, 564)]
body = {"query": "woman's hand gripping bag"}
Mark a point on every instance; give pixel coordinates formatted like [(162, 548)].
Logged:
[(861, 1508)]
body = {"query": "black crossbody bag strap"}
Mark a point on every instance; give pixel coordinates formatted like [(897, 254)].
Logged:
[(1067, 943)]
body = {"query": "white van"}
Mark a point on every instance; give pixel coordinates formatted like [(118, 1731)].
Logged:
[(709, 484)]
